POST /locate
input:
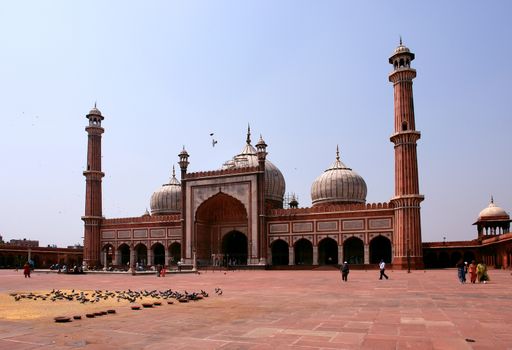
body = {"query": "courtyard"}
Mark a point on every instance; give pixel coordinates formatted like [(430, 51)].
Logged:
[(266, 310)]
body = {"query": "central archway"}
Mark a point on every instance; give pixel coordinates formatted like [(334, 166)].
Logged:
[(234, 248), (211, 239)]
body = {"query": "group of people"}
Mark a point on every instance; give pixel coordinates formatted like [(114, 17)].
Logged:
[(476, 271), (344, 269)]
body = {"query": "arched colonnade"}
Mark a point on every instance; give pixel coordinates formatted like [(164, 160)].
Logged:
[(140, 253), (329, 252)]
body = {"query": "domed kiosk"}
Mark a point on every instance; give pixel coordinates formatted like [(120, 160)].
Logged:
[(492, 220), (338, 185)]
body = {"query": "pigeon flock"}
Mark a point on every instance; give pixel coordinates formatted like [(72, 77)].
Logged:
[(97, 296)]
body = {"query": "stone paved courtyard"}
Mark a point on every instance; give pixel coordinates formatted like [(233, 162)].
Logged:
[(271, 310)]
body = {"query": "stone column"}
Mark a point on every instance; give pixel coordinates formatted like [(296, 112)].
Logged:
[(118, 257), (132, 257), (366, 254), (315, 255), (340, 254), (167, 262), (104, 259), (291, 256), (150, 257)]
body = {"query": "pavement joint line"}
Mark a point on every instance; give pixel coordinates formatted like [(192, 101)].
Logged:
[(127, 332), (24, 342)]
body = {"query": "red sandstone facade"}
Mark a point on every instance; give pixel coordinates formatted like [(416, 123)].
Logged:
[(235, 215)]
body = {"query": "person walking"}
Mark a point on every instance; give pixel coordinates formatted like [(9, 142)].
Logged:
[(344, 271), (460, 270), (472, 271), (382, 267)]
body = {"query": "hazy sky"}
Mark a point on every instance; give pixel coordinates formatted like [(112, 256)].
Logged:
[(307, 75)]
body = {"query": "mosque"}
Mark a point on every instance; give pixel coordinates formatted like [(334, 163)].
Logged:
[(236, 214)]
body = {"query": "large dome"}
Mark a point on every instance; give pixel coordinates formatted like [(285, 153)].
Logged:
[(338, 184), (493, 212), (167, 199), (274, 179)]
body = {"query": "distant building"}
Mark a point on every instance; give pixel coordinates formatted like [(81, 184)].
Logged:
[(24, 242)]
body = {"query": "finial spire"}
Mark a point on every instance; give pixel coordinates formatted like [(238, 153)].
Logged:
[(248, 134), (173, 172), (400, 40), (492, 198), (337, 152)]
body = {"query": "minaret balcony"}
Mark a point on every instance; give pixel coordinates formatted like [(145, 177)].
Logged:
[(405, 137)]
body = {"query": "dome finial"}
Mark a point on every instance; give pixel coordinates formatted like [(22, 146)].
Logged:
[(400, 40), (173, 172), (337, 152), (95, 107), (492, 198), (248, 134)]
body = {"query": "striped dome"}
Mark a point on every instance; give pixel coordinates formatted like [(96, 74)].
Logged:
[(167, 199), (338, 184)]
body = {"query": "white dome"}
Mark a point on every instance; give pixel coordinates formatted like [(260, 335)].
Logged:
[(167, 199), (338, 184), (493, 212), (274, 179)]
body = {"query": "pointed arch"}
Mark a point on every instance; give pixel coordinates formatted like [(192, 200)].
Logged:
[(214, 214), (380, 249), (353, 250), (327, 252), (123, 252), (303, 252), (280, 252)]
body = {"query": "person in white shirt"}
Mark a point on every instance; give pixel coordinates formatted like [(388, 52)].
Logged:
[(382, 267)]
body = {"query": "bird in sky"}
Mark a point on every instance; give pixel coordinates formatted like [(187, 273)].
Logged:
[(214, 142)]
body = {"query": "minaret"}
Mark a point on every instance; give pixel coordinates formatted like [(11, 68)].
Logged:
[(407, 225), (261, 152), (93, 199), (183, 156)]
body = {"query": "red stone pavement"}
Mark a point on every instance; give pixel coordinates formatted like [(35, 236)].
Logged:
[(278, 310)]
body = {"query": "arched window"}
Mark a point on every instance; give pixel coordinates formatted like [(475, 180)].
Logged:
[(404, 126)]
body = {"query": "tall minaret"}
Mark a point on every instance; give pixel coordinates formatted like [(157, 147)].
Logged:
[(407, 225), (93, 199)]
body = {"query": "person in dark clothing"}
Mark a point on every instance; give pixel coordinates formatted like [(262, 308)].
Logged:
[(461, 271), (344, 271)]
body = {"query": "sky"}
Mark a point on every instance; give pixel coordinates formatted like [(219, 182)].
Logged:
[(306, 75)]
